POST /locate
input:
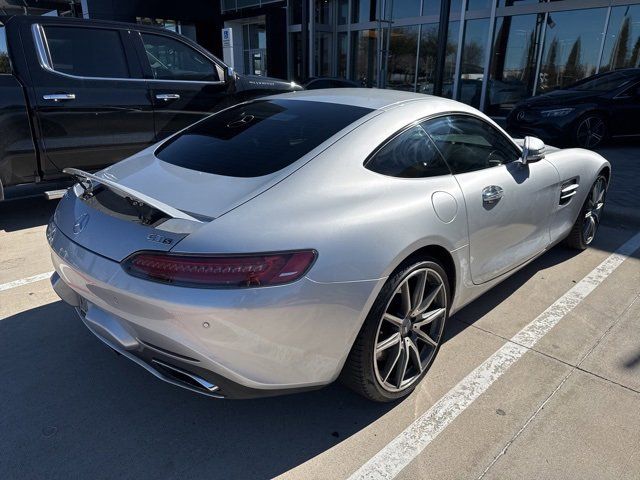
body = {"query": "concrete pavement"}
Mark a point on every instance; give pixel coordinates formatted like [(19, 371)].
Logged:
[(568, 408)]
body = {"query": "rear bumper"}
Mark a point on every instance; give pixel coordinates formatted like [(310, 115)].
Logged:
[(222, 343)]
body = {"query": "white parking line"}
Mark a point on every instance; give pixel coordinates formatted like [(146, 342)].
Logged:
[(397, 454), (25, 281)]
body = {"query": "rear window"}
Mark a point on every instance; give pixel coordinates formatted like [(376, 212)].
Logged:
[(87, 52), (5, 65), (257, 138)]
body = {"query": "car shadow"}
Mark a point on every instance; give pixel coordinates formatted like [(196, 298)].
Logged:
[(25, 213), (73, 408)]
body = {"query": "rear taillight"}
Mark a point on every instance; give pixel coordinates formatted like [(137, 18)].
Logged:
[(220, 271)]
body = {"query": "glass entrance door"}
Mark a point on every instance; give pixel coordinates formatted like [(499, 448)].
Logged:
[(254, 41)]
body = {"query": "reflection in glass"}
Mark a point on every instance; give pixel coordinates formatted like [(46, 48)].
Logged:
[(513, 62), (403, 9), (473, 57), (323, 54), (478, 4), (342, 55), (427, 58), (401, 59), (571, 46), (5, 66), (431, 7), (296, 56), (364, 57), (343, 12), (324, 9), (622, 45), (450, 60), (363, 10)]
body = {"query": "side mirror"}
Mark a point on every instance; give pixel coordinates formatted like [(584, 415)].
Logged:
[(532, 150), (230, 72)]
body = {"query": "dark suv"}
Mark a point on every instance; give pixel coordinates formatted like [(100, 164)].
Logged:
[(86, 93)]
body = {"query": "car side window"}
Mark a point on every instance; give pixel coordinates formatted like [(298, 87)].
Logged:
[(5, 65), (173, 60), (468, 143), (411, 154), (87, 52)]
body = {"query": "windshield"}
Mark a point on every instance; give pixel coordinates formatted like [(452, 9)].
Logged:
[(257, 138), (605, 83)]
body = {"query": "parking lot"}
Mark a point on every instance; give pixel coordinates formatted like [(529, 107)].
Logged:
[(540, 378)]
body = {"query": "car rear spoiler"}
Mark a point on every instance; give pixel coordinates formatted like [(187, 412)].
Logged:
[(85, 180)]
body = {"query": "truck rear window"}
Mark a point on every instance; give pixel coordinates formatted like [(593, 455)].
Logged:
[(5, 65), (257, 138)]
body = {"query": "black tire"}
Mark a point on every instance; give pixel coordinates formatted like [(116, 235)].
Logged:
[(590, 131), (359, 372), (578, 238)]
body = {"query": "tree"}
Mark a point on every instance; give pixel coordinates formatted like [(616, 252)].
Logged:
[(552, 66), (621, 47), (635, 53), (573, 70)]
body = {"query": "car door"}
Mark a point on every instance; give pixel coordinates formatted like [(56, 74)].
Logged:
[(625, 109), (91, 102), (185, 84), (509, 205)]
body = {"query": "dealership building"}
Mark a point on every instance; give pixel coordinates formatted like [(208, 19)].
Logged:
[(487, 53)]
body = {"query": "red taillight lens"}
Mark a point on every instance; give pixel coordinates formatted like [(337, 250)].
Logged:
[(220, 271)]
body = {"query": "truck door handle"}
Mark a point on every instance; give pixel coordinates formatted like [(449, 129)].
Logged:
[(492, 194), (167, 96), (59, 97)]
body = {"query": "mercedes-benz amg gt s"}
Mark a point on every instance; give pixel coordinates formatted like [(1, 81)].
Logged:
[(286, 242)]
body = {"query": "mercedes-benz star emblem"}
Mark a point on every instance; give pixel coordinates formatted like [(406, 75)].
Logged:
[(520, 115), (81, 222)]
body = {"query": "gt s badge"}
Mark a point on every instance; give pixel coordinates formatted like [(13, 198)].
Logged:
[(154, 237)]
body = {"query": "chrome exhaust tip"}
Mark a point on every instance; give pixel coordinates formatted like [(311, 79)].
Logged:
[(185, 377)]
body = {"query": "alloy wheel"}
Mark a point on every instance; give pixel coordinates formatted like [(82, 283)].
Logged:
[(591, 132), (595, 204), (410, 330)]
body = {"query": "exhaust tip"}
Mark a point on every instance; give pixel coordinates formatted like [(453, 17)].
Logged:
[(185, 377)]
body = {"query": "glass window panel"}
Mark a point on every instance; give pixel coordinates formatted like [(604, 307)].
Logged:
[(450, 59), (363, 10), (401, 59), (343, 12), (431, 7), (428, 57), (87, 52), (342, 54), (296, 56), (173, 60), (513, 61), (295, 13), (364, 58), (324, 10), (411, 154), (571, 47), (469, 144), (622, 45), (403, 9), (478, 4), (323, 54), (5, 66), (473, 58)]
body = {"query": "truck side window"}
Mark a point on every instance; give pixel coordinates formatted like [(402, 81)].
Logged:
[(5, 65), (173, 60), (87, 52)]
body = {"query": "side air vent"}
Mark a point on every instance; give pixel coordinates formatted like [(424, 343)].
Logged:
[(568, 190)]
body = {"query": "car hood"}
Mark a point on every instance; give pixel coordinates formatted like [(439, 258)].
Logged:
[(560, 98)]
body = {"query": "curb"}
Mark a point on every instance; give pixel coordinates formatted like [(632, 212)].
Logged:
[(621, 215)]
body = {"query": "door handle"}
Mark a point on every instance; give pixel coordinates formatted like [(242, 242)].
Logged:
[(167, 96), (58, 97), (492, 194)]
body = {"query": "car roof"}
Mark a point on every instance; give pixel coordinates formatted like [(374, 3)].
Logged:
[(372, 98)]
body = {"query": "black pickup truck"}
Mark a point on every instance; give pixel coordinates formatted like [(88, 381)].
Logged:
[(87, 93)]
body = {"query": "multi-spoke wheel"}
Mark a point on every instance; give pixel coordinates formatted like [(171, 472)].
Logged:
[(586, 226), (591, 131), (401, 334)]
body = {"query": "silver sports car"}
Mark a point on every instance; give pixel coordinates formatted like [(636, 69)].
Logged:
[(286, 242)]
